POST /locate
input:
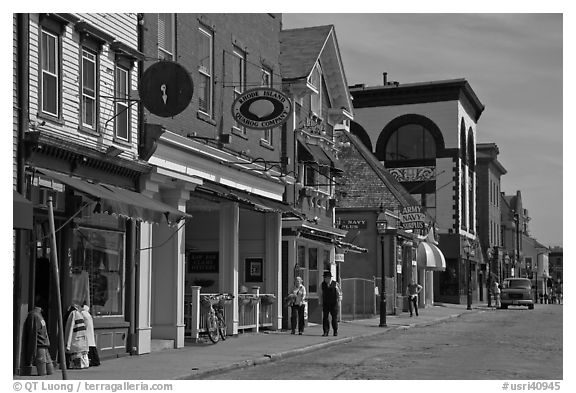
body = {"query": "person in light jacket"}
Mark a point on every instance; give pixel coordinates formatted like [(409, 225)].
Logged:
[(299, 303), (93, 356)]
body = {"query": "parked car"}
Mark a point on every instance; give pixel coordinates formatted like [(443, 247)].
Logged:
[(516, 292)]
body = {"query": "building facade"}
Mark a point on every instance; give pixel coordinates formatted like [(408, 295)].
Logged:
[(425, 134), (80, 168), (366, 194), (152, 203), (489, 172)]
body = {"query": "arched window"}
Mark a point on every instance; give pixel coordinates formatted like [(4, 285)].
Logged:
[(463, 141), (410, 142), (471, 153), (463, 191)]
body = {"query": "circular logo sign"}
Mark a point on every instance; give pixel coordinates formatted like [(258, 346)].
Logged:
[(261, 108), (166, 88)]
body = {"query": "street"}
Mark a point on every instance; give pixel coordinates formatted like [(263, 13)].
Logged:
[(513, 344)]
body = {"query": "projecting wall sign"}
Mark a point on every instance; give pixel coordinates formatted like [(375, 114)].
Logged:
[(166, 88), (261, 108)]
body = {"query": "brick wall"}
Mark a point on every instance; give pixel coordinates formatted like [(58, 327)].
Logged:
[(257, 35)]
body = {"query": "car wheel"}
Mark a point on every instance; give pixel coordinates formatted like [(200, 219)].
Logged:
[(531, 307), (504, 307)]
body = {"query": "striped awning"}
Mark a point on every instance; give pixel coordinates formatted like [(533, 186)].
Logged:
[(430, 257)]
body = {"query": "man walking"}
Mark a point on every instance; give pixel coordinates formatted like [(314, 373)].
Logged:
[(330, 302), (413, 291)]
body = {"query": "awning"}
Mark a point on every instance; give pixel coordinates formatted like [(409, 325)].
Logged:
[(116, 200), (21, 211), (256, 202), (316, 154), (430, 257), (323, 157), (349, 247)]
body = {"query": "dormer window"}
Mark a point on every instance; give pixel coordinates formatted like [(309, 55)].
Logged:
[(315, 83)]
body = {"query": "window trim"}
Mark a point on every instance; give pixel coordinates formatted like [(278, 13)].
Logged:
[(209, 74), (126, 104), (83, 125), (316, 90), (168, 53), (267, 137), (239, 55), (56, 74)]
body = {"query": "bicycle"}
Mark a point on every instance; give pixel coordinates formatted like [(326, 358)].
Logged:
[(215, 320)]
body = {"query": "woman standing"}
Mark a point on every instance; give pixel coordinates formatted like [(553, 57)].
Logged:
[(298, 305)]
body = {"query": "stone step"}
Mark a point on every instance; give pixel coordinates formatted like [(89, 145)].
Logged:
[(159, 345)]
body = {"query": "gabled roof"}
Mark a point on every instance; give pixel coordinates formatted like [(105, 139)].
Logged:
[(301, 48), (366, 182)]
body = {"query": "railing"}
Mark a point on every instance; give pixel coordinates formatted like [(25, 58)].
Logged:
[(255, 310)]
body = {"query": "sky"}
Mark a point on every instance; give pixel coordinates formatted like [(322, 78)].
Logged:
[(514, 64)]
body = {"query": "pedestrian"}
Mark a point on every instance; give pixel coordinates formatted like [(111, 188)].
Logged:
[(298, 305), (330, 302), (413, 290), (496, 290)]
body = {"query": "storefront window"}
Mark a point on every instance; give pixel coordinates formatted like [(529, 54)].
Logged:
[(313, 270), (97, 271), (326, 259)]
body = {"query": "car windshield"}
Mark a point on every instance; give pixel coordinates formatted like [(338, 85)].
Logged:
[(517, 284)]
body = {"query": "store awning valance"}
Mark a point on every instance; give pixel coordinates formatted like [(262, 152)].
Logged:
[(430, 257), (116, 200), (315, 153), (349, 247), (256, 202), (22, 212)]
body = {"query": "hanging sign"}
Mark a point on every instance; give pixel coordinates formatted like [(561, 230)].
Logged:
[(412, 217), (166, 88), (261, 108)]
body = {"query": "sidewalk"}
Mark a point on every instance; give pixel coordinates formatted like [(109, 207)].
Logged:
[(200, 359)]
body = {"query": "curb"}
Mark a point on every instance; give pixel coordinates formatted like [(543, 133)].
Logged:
[(268, 358)]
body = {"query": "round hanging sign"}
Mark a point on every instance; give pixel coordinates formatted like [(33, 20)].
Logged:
[(166, 88), (261, 108)]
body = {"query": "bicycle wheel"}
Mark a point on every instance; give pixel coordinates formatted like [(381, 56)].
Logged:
[(222, 326), (212, 326)]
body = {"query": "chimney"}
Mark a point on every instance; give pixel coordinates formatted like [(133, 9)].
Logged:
[(384, 78)]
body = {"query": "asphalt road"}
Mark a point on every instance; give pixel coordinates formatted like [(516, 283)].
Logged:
[(513, 344)]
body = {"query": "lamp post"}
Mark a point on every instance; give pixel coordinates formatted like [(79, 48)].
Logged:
[(489, 281), (381, 226), (517, 248), (469, 250)]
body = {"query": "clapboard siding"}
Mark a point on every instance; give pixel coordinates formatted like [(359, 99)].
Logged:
[(14, 100), (123, 27)]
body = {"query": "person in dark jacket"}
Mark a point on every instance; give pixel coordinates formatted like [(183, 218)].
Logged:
[(330, 302), (35, 343)]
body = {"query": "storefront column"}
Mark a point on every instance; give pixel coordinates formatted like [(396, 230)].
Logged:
[(429, 287), (274, 265), (228, 263), (144, 291), (168, 274)]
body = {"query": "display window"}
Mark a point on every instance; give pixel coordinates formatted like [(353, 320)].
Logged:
[(97, 272)]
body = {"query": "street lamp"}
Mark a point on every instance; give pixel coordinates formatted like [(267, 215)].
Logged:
[(517, 253), (489, 281), (469, 250), (381, 226)]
